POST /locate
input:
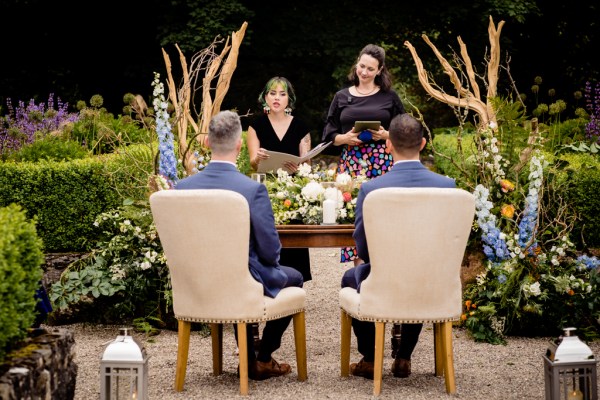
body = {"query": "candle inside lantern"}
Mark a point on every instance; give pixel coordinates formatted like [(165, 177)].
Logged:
[(329, 211), (575, 395)]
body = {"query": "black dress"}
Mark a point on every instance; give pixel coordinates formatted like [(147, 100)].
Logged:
[(297, 258)]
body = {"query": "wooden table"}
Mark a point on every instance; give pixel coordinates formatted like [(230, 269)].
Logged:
[(316, 235)]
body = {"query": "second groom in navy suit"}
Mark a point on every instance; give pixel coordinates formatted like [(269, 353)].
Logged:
[(225, 141), (405, 143)]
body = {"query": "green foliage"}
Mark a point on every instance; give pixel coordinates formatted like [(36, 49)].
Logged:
[(243, 160), (102, 133), (21, 258), (130, 167), (204, 20), (581, 175), (50, 148), (126, 271), (65, 197)]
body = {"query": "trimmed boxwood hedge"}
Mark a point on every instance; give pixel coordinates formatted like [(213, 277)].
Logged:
[(21, 258)]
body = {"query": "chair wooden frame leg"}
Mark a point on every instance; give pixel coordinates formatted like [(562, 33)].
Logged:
[(437, 349), (378, 365), (447, 356), (216, 333), (243, 354), (346, 332), (183, 347), (300, 341)]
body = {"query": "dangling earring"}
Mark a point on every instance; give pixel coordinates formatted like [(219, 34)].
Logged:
[(266, 109), (287, 111)]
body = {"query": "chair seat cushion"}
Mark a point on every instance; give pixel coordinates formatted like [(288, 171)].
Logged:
[(350, 302)]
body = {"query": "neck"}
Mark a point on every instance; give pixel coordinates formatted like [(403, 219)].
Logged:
[(364, 90), (224, 157)]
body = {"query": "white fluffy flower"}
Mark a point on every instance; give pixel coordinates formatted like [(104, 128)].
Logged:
[(312, 191)]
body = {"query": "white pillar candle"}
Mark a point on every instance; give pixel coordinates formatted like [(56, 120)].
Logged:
[(329, 211)]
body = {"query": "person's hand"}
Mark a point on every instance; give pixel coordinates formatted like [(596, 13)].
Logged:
[(261, 154), (350, 138), (380, 134), (290, 167)]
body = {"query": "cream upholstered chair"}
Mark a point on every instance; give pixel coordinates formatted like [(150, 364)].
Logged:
[(205, 237), (417, 239)]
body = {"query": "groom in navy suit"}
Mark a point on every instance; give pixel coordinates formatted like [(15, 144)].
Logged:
[(225, 141), (405, 142)]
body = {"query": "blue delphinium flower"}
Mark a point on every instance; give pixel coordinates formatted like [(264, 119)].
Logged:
[(494, 244), (167, 165), (588, 262), (527, 225)]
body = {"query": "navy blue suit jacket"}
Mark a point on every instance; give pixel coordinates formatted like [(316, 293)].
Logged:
[(404, 174), (264, 239)]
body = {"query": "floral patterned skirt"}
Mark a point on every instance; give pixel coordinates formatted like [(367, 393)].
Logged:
[(372, 159)]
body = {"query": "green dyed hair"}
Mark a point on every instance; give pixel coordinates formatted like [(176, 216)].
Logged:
[(272, 84)]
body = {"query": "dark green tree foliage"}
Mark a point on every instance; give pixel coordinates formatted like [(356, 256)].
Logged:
[(21, 258)]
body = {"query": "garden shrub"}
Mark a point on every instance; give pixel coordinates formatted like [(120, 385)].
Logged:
[(582, 174), (50, 148), (21, 257), (66, 197)]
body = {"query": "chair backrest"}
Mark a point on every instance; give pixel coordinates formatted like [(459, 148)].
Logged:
[(417, 238), (205, 236)]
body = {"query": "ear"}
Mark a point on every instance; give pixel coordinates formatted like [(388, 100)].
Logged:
[(207, 142), (238, 146), (423, 143)]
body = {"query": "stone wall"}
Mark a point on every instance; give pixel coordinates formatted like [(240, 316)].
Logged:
[(42, 368)]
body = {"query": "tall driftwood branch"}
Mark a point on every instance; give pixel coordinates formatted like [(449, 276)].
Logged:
[(466, 97), (182, 98)]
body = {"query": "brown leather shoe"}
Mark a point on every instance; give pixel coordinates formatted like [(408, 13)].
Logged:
[(270, 369), (401, 368), (362, 368)]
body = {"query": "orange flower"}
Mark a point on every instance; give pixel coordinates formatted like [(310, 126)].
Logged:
[(473, 305), (468, 304), (571, 292), (507, 211), (463, 317), (506, 186), (287, 203), (472, 313)]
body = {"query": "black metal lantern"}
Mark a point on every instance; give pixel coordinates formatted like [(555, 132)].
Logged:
[(570, 370), (124, 369)]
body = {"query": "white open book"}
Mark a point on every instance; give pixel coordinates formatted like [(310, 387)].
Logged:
[(276, 159)]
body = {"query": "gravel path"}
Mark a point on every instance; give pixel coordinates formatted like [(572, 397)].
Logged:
[(483, 371)]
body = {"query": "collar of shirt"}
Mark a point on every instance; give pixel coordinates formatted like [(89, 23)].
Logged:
[(223, 162), (406, 161)]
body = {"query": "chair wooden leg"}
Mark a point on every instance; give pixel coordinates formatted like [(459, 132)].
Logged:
[(346, 325), (300, 340), (183, 347), (378, 366), (216, 333), (243, 349), (437, 349), (448, 357)]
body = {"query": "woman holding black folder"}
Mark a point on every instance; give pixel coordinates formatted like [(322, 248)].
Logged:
[(277, 130), (369, 98)]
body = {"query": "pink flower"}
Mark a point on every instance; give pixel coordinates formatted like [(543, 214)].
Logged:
[(347, 197)]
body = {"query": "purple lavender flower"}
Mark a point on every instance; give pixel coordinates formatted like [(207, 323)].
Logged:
[(26, 123), (592, 99)]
